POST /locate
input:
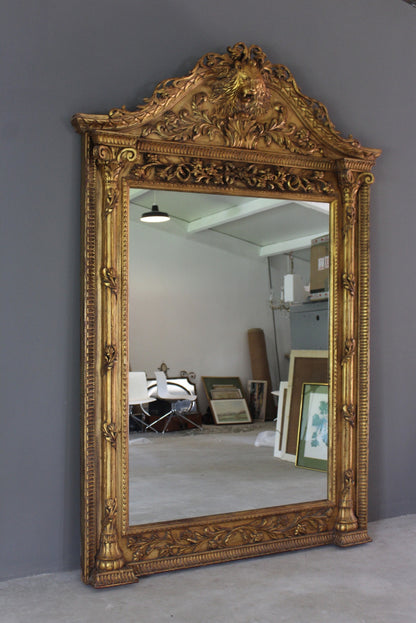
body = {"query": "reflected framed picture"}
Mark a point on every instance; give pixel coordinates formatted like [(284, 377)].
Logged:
[(306, 366), (257, 398), (312, 448), (222, 387), (230, 411)]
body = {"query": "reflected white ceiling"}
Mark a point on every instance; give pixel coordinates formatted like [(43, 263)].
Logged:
[(268, 226)]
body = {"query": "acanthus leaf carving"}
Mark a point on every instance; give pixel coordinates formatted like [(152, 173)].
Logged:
[(112, 160), (349, 350), (226, 174), (110, 511), (111, 173), (110, 357), (349, 414), (198, 121), (348, 283), (349, 183), (109, 278), (110, 433), (170, 542), (347, 521), (109, 556), (349, 482)]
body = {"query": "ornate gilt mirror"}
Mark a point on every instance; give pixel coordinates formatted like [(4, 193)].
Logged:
[(237, 128)]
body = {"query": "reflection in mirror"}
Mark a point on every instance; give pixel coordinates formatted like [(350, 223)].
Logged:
[(198, 283)]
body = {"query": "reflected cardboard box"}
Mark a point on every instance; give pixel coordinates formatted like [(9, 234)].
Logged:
[(319, 265)]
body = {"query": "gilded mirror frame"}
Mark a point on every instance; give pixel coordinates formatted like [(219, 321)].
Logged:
[(236, 124)]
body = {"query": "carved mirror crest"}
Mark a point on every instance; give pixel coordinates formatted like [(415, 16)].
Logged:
[(237, 125)]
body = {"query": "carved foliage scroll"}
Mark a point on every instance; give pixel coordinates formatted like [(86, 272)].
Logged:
[(228, 175), (199, 539)]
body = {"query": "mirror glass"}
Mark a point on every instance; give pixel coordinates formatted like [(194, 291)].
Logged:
[(221, 266)]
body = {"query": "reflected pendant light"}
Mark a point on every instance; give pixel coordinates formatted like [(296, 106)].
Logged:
[(155, 215)]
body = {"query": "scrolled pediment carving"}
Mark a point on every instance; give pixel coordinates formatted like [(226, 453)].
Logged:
[(238, 99)]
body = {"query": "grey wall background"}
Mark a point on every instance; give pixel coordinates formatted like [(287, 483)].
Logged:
[(58, 58)]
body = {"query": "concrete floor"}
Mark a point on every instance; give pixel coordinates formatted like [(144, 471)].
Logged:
[(199, 474), (373, 583)]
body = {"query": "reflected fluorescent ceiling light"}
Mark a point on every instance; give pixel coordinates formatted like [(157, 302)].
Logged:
[(155, 215)]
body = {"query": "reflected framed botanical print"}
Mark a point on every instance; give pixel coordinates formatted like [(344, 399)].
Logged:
[(312, 448)]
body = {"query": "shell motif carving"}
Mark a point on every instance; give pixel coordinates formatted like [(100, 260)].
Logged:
[(170, 542)]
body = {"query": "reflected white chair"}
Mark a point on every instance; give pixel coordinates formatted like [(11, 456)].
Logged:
[(180, 400), (138, 395)]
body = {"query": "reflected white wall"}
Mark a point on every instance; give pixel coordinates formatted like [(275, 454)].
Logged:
[(191, 305)]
